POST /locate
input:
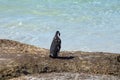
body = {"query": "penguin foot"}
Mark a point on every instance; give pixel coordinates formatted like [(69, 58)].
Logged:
[(52, 56)]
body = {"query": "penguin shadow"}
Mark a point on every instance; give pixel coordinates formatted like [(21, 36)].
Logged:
[(66, 58), (118, 58), (63, 58)]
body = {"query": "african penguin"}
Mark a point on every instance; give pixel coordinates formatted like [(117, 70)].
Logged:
[(55, 46)]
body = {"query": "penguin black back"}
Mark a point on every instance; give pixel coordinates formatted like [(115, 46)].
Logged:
[(55, 45)]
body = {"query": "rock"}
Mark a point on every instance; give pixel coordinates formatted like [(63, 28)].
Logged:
[(18, 59), (67, 76)]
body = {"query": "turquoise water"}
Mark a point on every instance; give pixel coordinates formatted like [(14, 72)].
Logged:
[(87, 25)]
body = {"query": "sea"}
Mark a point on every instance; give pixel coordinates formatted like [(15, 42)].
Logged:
[(85, 25)]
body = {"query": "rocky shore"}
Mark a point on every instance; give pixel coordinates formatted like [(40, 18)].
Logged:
[(19, 61)]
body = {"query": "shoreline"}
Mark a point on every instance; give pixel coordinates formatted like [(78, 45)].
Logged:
[(17, 59), (61, 49), (19, 42)]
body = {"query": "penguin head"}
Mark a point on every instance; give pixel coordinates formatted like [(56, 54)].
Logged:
[(57, 33)]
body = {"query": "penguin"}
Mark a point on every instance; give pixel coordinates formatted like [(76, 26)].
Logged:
[(55, 45)]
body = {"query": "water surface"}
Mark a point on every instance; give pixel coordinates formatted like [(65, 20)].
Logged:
[(87, 25)]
